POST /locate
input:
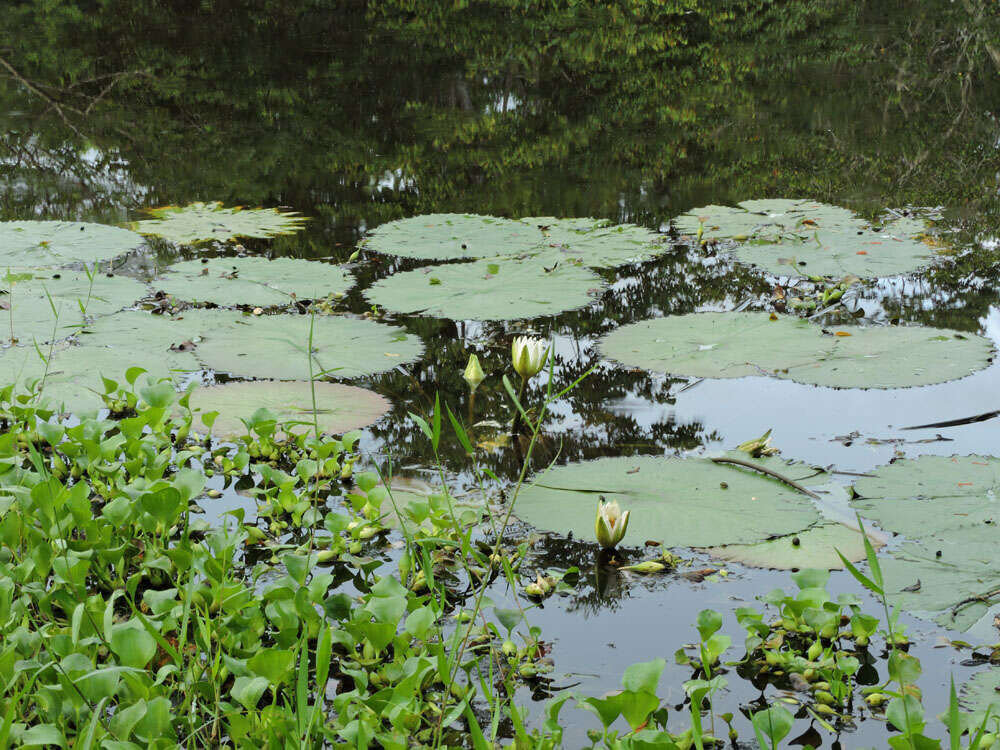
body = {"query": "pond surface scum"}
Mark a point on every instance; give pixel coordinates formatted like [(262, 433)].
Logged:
[(726, 219)]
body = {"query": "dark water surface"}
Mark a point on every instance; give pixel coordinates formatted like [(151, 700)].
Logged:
[(357, 114)]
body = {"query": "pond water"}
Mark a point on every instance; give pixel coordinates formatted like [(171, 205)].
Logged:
[(355, 115)]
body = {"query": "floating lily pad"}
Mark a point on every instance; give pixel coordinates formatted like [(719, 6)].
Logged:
[(732, 345), (26, 308), (73, 377), (594, 242), (253, 281), (57, 243), (500, 289), (806, 238), (452, 236), (339, 408), (949, 510), (200, 222), (679, 501), (275, 347), (815, 547), (982, 691), (589, 242)]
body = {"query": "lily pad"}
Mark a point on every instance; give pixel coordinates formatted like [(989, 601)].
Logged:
[(452, 236), (253, 281), (499, 289), (595, 242), (806, 238), (275, 347), (815, 547), (732, 345), (339, 408), (982, 691), (949, 510), (73, 376), (590, 242), (201, 222), (40, 306), (58, 243), (679, 501)]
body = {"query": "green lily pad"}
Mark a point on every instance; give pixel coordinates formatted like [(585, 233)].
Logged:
[(594, 242), (73, 377), (339, 408), (201, 222), (57, 243), (732, 345), (815, 547), (499, 289), (948, 509), (253, 281), (452, 236), (26, 307), (982, 691), (275, 347), (678, 501), (590, 242), (806, 238)]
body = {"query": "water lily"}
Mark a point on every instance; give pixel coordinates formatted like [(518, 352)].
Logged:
[(529, 355), (611, 524), (473, 374)]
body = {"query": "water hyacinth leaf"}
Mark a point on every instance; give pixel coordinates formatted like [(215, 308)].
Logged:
[(201, 222), (946, 507), (253, 281), (26, 306), (74, 375), (815, 547), (732, 345), (34, 244), (276, 347), (339, 408), (452, 236), (503, 289), (806, 238), (679, 501)]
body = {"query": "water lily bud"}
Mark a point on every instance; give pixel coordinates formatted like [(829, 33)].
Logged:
[(509, 648), (529, 355), (987, 740), (611, 524), (473, 374)]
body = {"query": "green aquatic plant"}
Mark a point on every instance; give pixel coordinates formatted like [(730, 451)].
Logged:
[(202, 222), (26, 245), (811, 239), (733, 345)]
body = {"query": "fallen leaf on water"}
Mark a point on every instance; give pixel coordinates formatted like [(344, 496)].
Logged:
[(699, 575), (841, 333)]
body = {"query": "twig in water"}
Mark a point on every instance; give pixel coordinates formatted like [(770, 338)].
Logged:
[(765, 470)]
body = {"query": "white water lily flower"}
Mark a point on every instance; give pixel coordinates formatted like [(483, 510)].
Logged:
[(473, 374), (611, 524), (529, 355)]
